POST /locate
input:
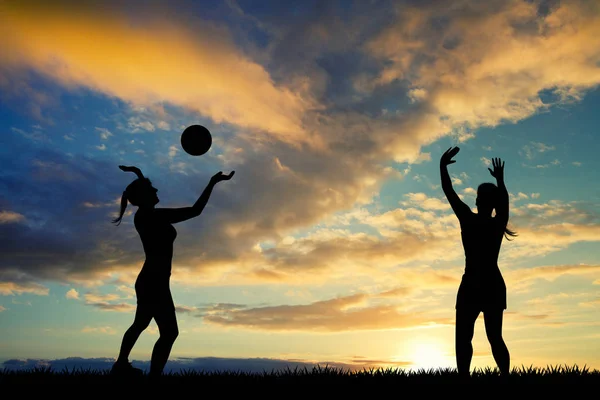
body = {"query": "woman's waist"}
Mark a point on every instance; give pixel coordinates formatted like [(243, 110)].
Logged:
[(481, 261), (480, 272), (156, 268), (153, 278)]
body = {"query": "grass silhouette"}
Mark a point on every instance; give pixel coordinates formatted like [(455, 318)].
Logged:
[(303, 378)]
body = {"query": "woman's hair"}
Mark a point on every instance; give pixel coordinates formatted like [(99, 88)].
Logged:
[(487, 193), (132, 194)]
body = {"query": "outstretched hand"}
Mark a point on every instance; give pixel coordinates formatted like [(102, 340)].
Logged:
[(447, 156), (219, 176), (498, 171)]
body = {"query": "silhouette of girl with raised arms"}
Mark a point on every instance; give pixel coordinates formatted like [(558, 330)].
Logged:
[(482, 288), (153, 293)]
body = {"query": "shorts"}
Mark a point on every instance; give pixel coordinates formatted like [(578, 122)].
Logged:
[(480, 294), (153, 292)]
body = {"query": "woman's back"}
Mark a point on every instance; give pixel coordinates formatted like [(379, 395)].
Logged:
[(482, 238)]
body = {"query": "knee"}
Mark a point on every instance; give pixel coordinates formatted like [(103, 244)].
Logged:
[(495, 340), (170, 334), (139, 327), (463, 342), (464, 336)]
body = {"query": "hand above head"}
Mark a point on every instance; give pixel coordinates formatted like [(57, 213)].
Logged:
[(219, 176), (498, 171), (447, 156)]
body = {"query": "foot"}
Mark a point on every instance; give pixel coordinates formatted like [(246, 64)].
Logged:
[(124, 368)]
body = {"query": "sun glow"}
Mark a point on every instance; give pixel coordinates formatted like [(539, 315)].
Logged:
[(428, 355)]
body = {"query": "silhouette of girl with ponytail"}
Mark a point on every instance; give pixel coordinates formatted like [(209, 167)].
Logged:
[(153, 293), (482, 288)]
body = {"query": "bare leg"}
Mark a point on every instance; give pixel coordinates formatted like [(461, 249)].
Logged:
[(167, 326), (143, 316), (493, 329), (465, 327)]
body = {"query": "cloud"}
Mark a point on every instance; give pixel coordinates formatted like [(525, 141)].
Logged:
[(396, 292), (106, 302), (102, 329), (118, 307), (348, 313), (136, 125), (535, 147), (104, 133), (129, 291), (216, 79), (591, 303), (518, 196), (462, 71), (185, 309), (488, 62), (11, 287), (546, 238), (72, 294), (10, 217), (552, 272), (425, 202), (421, 231), (35, 136)]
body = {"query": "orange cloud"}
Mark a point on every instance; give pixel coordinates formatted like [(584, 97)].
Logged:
[(12, 288), (347, 313), (147, 61), (552, 272), (102, 329), (490, 62), (9, 217)]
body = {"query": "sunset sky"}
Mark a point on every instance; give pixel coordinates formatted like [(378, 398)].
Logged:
[(333, 242)]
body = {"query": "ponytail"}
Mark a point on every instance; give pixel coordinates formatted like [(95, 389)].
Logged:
[(123, 206), (508, 232), (124, 198)]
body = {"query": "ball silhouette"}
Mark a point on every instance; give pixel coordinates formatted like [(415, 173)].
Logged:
[(196, 140)]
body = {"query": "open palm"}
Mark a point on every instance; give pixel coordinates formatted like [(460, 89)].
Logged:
[(498, 171), (219, 176), (448, 154)]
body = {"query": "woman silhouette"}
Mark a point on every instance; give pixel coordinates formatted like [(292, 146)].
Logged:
[(482, 288), (153, 293)]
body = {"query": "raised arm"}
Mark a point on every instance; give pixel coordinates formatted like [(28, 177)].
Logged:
[(458, 206), (502, 204), (175, 215)]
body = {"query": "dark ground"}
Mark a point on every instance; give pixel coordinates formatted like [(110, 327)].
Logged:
[(319, 382)]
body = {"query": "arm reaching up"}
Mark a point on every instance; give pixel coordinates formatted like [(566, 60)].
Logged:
[(175, 215), (458, 206), (502, 202)]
